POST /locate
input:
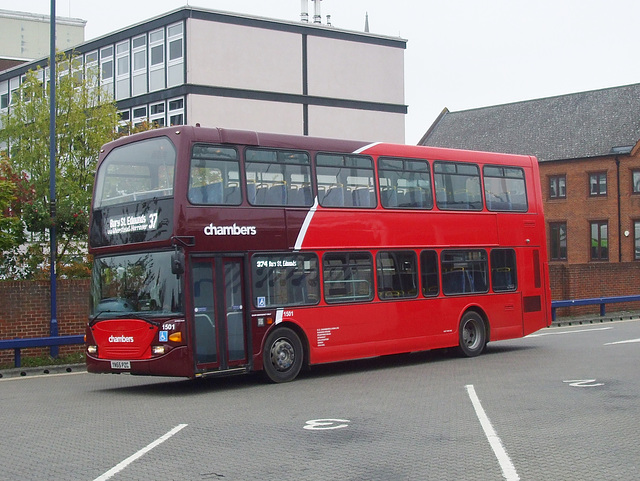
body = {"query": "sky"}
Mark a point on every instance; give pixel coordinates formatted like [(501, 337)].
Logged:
[(461, 54)]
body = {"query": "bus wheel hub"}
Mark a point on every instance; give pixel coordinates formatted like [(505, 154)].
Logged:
[(282, 354)]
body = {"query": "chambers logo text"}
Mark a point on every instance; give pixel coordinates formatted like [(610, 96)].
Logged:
[(230, 230)]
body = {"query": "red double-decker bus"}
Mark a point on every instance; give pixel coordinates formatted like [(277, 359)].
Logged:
[(224, 251)]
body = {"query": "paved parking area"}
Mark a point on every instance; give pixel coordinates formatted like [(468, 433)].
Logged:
[(561, 404)]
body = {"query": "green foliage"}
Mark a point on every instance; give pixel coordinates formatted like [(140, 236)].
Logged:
[(14, 193), (86, 118)]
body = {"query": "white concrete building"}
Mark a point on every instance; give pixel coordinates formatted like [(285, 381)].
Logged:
[(194, 65)]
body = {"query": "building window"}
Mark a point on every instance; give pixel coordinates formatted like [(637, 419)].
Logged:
[(636, 240), (598, 183), (176, 111), (139, 115), (558, 241), (635, 179), (175, 64), (599, 241), (156, 60), (106, 70), (139, 49), (156, 114), (4, 95), (123, 85), (558, 187)]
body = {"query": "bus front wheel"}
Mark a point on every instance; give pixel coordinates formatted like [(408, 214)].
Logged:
[(282, 357), (472, 334)]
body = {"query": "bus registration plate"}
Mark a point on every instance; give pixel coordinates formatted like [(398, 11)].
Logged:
[(120, 364)]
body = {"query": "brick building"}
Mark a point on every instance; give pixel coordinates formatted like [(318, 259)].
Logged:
[(588, 147)]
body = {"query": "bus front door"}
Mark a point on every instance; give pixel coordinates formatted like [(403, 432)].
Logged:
[(218, 313)]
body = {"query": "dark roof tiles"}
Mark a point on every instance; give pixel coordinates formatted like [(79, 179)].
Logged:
[(579, 125)]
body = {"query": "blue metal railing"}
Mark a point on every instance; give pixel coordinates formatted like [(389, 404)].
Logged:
[(602, 301), (17, 344)]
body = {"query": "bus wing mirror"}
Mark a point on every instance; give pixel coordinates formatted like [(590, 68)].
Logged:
[(177, 263)]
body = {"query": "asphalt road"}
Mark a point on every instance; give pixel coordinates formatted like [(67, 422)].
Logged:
[(561, 404)]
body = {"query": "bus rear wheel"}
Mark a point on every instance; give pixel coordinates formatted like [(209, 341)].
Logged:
[(472, 334), (283, 355)]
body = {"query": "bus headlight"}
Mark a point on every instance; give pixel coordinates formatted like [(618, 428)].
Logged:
[(157, 349), (92, 349)]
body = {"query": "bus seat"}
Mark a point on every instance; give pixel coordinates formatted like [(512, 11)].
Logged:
[(232, 195), (306, 194), (206, 194), (251, 192), (334, 196), (276, 195), (362, 197), (389, 197), (261, 194), (213, 193), (196, 195)]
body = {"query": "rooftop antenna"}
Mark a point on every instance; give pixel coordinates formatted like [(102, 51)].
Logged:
[(304, 11), (366, 22), (317, 15)]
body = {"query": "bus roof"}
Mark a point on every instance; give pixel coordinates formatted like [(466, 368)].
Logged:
[(264, 139)]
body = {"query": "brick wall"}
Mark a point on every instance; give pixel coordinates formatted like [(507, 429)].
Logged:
[(581, 281), (25, 308)]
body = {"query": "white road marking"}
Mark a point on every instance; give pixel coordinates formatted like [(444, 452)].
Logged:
[(622, 342), (508, 469), (569, 332), (584, 383), (120, 466)]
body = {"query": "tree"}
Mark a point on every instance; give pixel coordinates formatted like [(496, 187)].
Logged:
[(86, 118)]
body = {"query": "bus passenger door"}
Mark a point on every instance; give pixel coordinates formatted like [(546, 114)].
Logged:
[(218, 313)]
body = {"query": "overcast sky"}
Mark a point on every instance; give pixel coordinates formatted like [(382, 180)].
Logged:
[(461, 54)]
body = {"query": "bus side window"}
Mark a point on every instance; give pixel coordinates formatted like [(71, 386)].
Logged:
[(278, 177), (397, 273), (464, 271), (348, 276), (405, 183), (457, 186), (285, 280), (345, 181), (429, 270), (503, 270), (214, 176), (504, 188)]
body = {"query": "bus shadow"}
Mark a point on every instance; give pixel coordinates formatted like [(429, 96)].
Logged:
[(188, 387), (396, 361)]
